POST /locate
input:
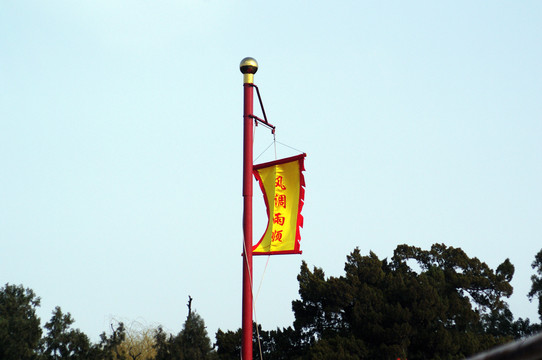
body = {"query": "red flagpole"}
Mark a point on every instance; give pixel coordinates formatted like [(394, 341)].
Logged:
[(248, 67)]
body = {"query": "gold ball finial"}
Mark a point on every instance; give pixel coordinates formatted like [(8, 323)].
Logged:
[(248, 67)]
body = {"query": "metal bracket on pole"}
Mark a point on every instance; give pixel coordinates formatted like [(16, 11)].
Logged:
[(264, 120)]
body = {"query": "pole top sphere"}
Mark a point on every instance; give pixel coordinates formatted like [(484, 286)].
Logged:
[(248, 67)]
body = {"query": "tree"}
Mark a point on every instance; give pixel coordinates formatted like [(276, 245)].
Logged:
[(228, 344), (110, 346), (278, 344), (20, 330), (451, 308), (420, 304), (163, 344), (536, 288), (191, 343), (194, 343), (275, 344), (61, 341), (473, 315), (138, 343)]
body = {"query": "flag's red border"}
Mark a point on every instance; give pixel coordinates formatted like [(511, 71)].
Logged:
[(280, 161), (301, 159)]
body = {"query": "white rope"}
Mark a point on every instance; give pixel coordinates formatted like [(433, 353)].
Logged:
[(268, 256), (261, 280), (253, 300), (263, 152), (293, 148)]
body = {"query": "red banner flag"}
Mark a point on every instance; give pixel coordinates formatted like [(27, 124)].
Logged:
[(283, 186)]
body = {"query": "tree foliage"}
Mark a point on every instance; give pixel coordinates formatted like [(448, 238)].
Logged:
[(62, 342), (536, 288), (20, 330), (193, 339), (419, 304), (133, 343), (191, 343), (110, 346), (275, 344), (229, 344), (453, 306)]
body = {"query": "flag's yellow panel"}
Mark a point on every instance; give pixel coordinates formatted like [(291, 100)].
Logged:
[(282, 184)]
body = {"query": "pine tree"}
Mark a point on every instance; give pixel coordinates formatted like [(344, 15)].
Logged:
[(20, 330), (536, 288)]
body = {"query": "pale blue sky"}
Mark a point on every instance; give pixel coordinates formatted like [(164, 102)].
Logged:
[(121, 145)]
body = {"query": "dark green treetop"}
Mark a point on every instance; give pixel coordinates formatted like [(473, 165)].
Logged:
[(447, 307), (536, 288), (62, 342), (20, 330), (191, 343)]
